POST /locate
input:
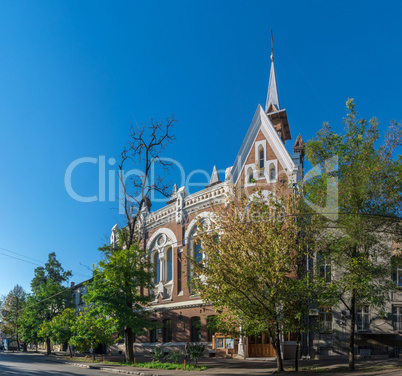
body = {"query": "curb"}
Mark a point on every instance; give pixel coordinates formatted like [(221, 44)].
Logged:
[(113, 370)]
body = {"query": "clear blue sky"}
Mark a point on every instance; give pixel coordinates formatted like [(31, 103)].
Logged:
[(74, 74)]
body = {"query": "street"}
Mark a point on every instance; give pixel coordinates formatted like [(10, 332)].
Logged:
[(28, 364), (33, 364)]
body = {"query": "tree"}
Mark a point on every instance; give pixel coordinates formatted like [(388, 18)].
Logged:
[(142, 153), (252, 249), (358, 236), (31, 323), (60, 329), (48, 299), (91, 329), (117, 289), (11, 312)]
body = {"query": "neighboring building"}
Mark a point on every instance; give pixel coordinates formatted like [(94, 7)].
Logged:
[(376, 335), (78, 291)]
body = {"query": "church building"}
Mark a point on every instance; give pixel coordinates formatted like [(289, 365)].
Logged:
[(263, 161)]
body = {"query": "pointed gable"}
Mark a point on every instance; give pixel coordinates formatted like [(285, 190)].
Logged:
[(262, 122)]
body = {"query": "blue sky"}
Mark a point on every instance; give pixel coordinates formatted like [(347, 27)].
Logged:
[(75, 74)]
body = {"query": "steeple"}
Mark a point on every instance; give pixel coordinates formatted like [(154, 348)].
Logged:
[(272, 103)]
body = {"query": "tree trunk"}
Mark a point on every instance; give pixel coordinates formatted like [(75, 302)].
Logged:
[(48, 350), (24, 347), (277, 348), (352, 331), (71, 351), (18, 341), (36, 346), (93, 355), (297, 350), (129, 344)]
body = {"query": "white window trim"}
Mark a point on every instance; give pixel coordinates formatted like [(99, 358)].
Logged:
[(361, 318)]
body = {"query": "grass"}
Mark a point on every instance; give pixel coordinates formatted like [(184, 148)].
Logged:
[(156, 365)]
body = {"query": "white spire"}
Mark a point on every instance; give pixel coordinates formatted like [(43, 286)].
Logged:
[(272, 96), (174, 192), (215, 176)]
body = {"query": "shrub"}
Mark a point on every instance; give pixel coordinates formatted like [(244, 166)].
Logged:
[(175, 356), (195, 351), (158, 354)]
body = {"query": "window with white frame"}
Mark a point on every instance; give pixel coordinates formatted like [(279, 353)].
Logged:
[(397, 317), (250, 176), (325, 314), (161, 255), (324, 267), (261, 160), (397, 270), (363, 318), (272, 172)]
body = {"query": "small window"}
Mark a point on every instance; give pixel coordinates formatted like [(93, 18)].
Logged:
[(167, 331), (363, 318), (325, 319), (169, 262), (250, 175), (195, 329), (272, 173), (262, 159), (157, 266)]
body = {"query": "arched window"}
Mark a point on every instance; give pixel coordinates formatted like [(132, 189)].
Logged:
[(250, 176), (262, 159), (272, 173), (195, 329), (169, 263), (157, 266), (167, 331)]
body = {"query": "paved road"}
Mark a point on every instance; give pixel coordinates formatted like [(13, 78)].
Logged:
[(31, 364), (19, 364)]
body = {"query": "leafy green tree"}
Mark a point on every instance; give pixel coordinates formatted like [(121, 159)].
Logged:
[(11, 312), (31, 323), (49, 298), (91, 329), (251, 252), (117, 289), (358, 234), (60, 329)]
